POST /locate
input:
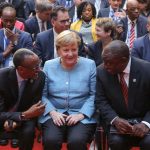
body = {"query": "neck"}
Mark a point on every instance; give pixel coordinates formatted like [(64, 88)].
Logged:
[(106, 41)]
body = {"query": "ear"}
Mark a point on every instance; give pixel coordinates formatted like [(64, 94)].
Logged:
[(109, 32), (53, 22)]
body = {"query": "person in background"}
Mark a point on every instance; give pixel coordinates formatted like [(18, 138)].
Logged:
[(134, 25), (18, 24), (11, 39), (41, 21), (122, 81), (86, 14), (113, 11), (69, 113), (73, 10), (45, 44), (106, 32), (20, 94), (141, 46)]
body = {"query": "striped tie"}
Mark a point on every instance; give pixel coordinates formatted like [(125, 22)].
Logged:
[(132, 35), (124, 87)]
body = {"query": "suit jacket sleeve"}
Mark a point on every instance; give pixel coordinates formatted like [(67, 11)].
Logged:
[(89, 104), (101, 102)]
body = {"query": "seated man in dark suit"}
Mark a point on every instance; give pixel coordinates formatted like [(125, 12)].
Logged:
[(141, 46), (11, 38), (122, 97), (41, 21), (20, 93), (45, 46)]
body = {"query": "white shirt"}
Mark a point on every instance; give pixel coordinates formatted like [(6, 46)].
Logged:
[(97, 6), (55, 51), (75, 15)]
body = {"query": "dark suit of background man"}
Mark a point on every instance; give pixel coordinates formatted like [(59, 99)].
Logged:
[(18, 107), (141, 46), (45, 42), (122, 96)]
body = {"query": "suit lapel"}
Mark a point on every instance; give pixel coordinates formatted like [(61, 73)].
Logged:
[(13, 84), (2, 39), (133, 81)]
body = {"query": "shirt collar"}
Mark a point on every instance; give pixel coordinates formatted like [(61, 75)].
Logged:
[(130, 22), (127, 69), (19, 78)]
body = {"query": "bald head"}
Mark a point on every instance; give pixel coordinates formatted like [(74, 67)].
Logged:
[(8, 17), (133, 9), (115, 56)]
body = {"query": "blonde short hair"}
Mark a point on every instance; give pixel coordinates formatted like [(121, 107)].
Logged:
[(67, 37)]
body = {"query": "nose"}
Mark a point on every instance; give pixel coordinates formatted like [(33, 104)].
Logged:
[(70, 53)]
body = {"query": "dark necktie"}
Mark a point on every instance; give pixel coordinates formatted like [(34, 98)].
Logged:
[(124, 88)]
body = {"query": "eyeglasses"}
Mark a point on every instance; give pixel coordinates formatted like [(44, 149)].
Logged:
[(65, 21)]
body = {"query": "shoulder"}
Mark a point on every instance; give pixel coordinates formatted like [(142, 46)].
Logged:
[(86, 63), (45, 33), (52, 63)]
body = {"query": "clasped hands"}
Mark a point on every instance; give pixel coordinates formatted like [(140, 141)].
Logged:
[(61, 119), (124, 127)]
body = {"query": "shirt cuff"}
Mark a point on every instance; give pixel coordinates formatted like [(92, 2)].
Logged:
[(146, 123), (114, 120)]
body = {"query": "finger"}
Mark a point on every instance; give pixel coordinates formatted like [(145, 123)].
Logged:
[(14, 125), (68, 118)]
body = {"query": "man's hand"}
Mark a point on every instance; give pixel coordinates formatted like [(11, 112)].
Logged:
[(59, 119), (34, 111), (123, 126), (74, 118), (8, 50), (11, 36), (10, 125), (140, 130)]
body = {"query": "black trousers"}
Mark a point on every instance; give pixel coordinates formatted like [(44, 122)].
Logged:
[(25, 133), (76, 136), (125, 142)]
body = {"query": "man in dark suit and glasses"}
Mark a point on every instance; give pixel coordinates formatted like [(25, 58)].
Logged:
[(123, 97), (19, 106)]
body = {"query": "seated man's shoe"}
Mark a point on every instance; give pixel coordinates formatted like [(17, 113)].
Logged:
[(3, 142), (14, 143)]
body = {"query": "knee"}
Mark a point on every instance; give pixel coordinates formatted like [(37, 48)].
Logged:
[(145, 143), (116, 142)]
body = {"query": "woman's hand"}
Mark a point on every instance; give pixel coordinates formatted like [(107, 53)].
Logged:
[(74, 118), (59, 119)]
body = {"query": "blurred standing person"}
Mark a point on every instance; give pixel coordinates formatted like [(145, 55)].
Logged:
[(69, 113)]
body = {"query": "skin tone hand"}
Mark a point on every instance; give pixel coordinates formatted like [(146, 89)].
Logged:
[(140, 130), (8, 49), (34, 111), (59, 119), (11, 36), (123, 126), (74, 118), (7, 126)]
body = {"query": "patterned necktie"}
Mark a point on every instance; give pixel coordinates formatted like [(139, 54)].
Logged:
[(132, 35), (124, 87)]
